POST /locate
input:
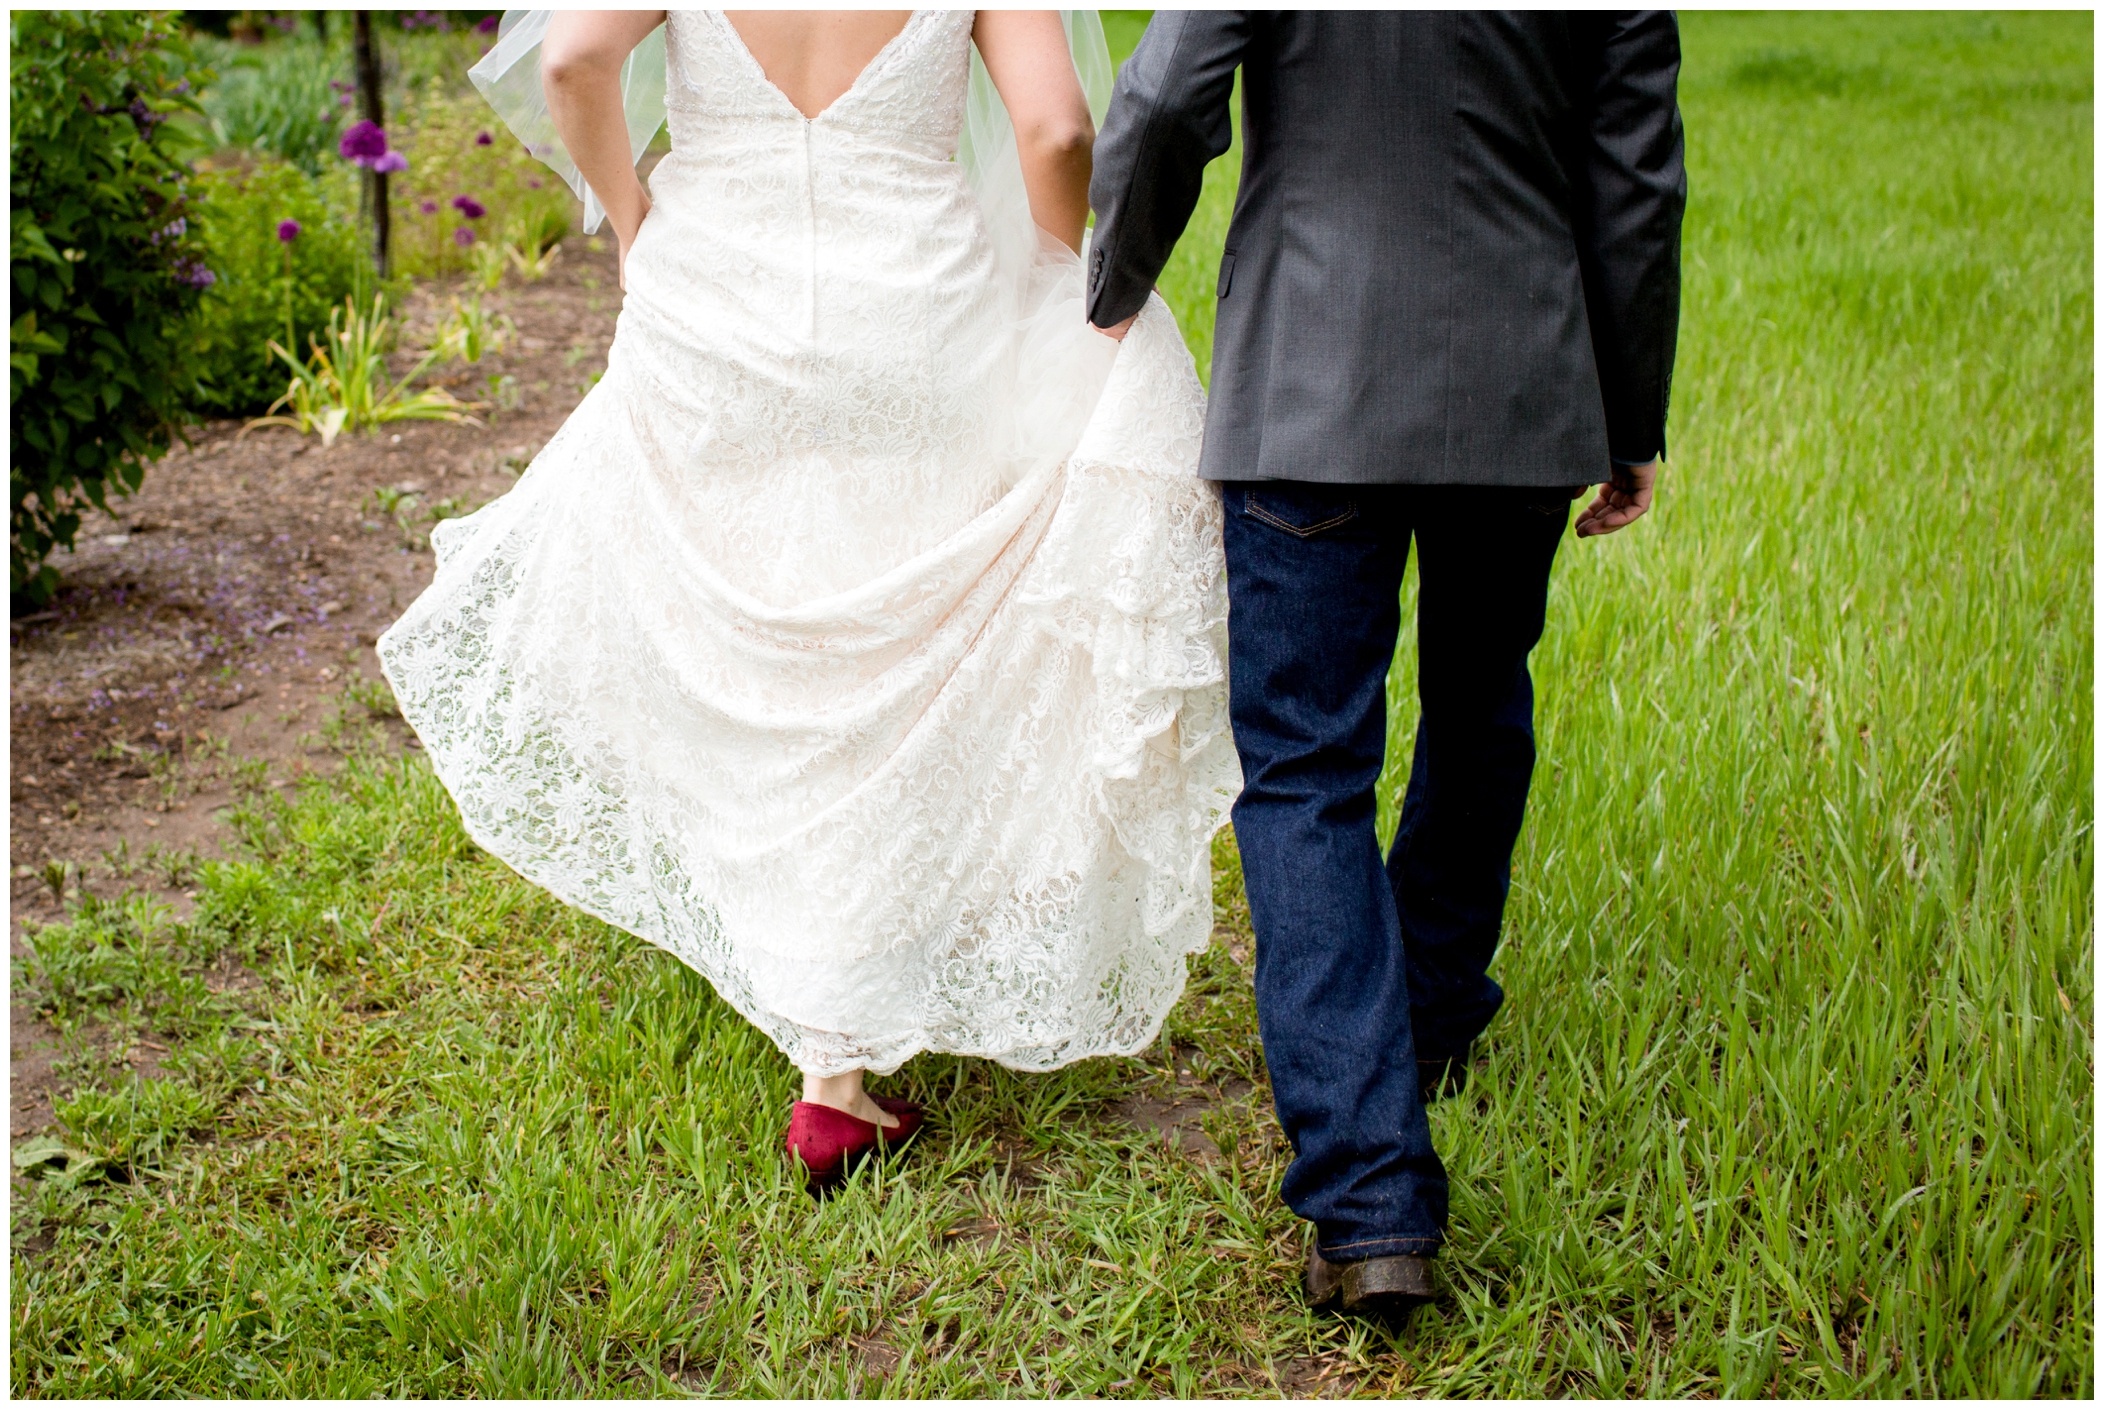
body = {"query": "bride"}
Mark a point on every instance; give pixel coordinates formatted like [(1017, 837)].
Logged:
[(859, 637)]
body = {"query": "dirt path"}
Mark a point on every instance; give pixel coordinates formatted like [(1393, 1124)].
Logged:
[(217, 634)]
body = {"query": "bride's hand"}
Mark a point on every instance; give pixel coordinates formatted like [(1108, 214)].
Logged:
[(1117, 331), (625, 240)]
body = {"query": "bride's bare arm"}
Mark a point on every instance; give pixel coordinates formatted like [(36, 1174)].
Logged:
[(581, 73), (1027, 57)]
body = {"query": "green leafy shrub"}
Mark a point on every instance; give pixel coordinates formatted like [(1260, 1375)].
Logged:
[(106, 270), (238, 213), (288, 99)]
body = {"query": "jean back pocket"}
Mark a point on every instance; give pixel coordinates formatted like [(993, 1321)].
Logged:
[(1301, 510)]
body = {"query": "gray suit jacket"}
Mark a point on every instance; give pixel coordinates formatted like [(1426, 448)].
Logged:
[(1455, 255)]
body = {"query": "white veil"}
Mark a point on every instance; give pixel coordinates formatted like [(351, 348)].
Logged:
[(986, 149), (509, 77)]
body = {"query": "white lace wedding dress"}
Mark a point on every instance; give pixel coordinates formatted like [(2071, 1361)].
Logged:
[(859, 638)]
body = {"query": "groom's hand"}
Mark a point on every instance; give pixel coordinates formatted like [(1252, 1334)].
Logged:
[(1621, 501), (1117, 331)]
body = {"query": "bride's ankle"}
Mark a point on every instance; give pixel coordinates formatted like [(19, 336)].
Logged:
[(845, 1093)]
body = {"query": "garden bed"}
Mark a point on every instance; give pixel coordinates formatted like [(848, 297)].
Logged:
[(216, 634)]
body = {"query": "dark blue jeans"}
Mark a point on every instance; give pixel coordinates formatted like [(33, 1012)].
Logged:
[(1363, 971)]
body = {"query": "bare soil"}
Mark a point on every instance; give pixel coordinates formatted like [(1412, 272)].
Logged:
[(1177, 1117), (216, 633)]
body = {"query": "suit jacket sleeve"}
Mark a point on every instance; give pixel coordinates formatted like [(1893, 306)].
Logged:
[(1168, 117), (1632, 187)]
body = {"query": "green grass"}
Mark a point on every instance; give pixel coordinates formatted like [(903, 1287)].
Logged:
[(1792, 1089)]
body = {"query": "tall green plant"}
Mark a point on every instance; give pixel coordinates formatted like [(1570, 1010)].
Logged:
[(344, 384), (285, 98), (264, 280), (106, 269), (470, 183)]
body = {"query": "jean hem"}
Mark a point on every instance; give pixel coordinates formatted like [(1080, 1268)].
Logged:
[(1359, 1250)]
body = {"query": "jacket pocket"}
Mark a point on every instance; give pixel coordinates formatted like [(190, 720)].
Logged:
[(1227, 272)]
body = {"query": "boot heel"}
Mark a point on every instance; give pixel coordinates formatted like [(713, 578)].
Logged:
[(1387, 1284)]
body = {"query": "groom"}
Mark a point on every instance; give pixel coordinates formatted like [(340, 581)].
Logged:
[(1447, 305)]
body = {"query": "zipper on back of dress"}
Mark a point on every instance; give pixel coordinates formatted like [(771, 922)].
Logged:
[(811, 240)]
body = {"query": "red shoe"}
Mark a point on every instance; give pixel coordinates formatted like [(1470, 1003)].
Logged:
[(831, 1143), (903, 1109)]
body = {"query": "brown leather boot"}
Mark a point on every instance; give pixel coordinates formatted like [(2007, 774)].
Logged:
[(1385, 1288)]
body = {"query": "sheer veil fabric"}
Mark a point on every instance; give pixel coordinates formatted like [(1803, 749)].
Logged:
[(859, 639), (509, 79)]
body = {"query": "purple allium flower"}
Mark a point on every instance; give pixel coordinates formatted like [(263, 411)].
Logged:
[(483, 139), (469, 207), (390, 161), (487, 24), (428, 207), (340, 86), (534, 182), (463, 237), (363, 142), (344, 101), (288, 231)]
